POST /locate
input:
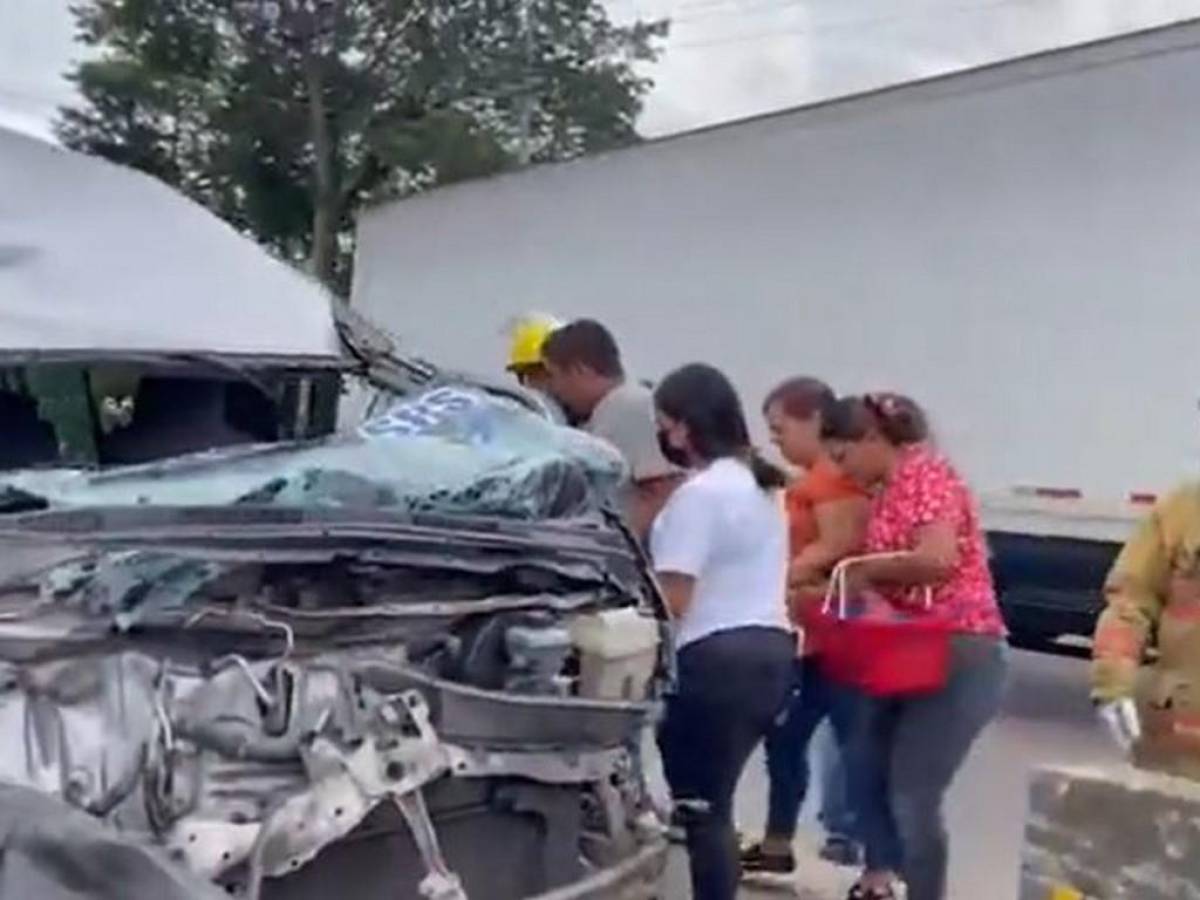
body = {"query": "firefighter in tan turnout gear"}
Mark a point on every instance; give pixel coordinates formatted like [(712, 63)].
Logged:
[(1153, 605)]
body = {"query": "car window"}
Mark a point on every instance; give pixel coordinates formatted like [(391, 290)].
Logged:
[(124, 414)]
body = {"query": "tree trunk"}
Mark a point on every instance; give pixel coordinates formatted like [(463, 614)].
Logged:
[(326, 202)]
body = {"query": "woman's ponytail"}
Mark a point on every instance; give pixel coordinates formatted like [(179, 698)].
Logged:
[(767, 475)]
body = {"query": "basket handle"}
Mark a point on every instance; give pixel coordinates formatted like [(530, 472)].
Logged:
[(837, 581)]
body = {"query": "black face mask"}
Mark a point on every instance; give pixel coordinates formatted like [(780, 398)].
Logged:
[(671, 453)]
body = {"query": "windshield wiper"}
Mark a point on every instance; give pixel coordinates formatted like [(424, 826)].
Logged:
[(14, 500)]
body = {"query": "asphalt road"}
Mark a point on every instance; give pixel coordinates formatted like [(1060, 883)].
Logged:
[(1047, 719)]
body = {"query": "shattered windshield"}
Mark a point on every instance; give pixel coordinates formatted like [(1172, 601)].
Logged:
[(446, 450)]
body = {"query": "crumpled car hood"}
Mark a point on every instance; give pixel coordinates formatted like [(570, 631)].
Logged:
[(117, 567)]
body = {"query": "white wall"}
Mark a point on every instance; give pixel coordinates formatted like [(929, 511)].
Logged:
[(1013, 246)]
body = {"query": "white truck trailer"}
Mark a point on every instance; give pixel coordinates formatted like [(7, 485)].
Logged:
[(1015, 246)]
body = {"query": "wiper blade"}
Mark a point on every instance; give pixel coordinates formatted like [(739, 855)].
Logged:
[(376, 351), (14, 500)]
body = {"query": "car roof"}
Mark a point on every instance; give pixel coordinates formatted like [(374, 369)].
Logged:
[(98, 258)]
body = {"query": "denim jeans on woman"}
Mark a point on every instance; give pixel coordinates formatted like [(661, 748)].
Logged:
[(731, 687), (813, 699), (903, 755), (825, 754)]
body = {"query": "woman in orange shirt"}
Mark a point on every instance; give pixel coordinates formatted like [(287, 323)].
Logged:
[(827, 515)]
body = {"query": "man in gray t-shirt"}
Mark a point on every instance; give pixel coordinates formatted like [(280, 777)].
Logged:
[(588, 378)]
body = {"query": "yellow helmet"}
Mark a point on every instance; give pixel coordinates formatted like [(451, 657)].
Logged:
[(527, 335)]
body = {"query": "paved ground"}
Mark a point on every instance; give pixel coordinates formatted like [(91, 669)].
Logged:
[(1047, 718)]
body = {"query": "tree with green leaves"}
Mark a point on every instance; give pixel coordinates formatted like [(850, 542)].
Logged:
[(286, 116)]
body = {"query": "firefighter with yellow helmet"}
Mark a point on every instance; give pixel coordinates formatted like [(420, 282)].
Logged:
[(527, 334)]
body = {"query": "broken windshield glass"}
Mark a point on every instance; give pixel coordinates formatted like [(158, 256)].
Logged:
[(445, 450)]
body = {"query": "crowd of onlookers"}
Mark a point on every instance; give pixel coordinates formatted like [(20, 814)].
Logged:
[(775, 581)]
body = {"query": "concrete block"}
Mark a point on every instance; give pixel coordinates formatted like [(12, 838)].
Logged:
[(1115, 833)]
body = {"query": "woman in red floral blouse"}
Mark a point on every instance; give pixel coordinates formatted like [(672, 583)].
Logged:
[(906, 751)]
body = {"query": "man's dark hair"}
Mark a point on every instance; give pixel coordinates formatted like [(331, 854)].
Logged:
[(585, 342)]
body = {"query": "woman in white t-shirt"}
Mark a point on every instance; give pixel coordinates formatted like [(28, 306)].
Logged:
[(720, 551)]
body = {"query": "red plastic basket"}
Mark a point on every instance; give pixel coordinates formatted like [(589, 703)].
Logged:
[(883, 655)]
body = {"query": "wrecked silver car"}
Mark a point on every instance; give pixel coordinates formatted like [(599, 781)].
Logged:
[(245, 651), (418, 656)]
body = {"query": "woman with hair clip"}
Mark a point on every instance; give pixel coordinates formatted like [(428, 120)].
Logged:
[(905, 751), (720, 551)]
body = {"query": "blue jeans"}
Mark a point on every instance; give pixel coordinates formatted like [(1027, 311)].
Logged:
[(905, 752), (825, 756), (812, 700)]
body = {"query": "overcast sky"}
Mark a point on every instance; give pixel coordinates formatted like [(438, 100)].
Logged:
[(725, 59)]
